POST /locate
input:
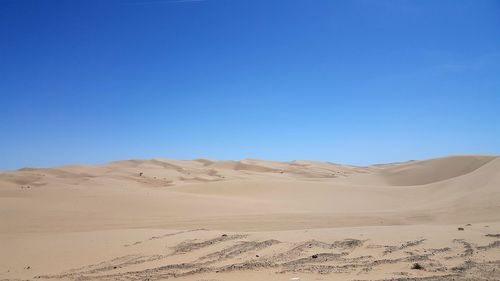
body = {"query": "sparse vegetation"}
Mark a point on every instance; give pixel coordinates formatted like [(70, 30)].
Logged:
[(417, 266)]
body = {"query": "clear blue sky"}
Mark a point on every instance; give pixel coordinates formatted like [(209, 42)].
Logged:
[(357, 82)]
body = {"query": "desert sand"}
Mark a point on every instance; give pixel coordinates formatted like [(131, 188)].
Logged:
[(200, 219)]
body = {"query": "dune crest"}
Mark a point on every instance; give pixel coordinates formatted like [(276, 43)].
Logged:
[(434, 170)]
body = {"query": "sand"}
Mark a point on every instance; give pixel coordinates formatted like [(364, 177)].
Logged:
[(253, 220)]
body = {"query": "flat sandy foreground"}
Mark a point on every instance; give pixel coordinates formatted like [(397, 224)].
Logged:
[(208, 220)]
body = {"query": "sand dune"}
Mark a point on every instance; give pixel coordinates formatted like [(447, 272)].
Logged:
[(429, 171), (157, 219)]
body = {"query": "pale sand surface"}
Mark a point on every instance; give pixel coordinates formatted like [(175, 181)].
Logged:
[(252, 220)]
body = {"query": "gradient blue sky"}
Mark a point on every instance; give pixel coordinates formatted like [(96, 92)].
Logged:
[(356, 82)]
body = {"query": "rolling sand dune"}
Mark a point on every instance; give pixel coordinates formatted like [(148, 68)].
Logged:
[(251, 219)]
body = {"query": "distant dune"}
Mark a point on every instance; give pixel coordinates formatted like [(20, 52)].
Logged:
[(157, 219)]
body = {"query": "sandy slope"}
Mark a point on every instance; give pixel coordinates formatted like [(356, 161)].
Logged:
[(158, 219)]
